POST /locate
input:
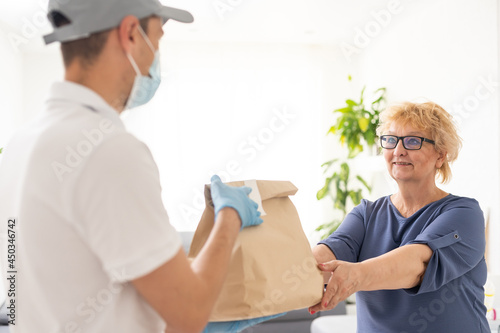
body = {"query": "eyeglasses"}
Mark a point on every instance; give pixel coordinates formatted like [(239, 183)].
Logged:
[(409, 142)]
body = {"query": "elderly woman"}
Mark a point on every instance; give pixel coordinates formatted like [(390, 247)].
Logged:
[(416, 257)]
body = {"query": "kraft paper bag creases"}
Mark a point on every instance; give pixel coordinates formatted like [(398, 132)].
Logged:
[(272, 268)]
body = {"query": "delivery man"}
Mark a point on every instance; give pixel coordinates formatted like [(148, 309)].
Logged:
[(80, 198)]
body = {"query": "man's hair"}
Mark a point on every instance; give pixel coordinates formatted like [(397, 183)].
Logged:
[(88, 49)]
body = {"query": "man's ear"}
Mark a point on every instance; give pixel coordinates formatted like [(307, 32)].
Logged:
[(128, 34)]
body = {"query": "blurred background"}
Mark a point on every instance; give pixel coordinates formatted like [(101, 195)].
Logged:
[(249, 88)]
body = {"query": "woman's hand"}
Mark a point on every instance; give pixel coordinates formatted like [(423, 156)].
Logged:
[(322, 254), (403, 267), (344, 281)]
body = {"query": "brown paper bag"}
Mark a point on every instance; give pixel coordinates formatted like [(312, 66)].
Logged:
[(272, 268)]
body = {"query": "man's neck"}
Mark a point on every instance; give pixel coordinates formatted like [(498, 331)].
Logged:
[(101, 80)]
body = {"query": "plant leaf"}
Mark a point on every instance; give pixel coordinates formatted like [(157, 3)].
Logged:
[(363, 124), (355, 151), (370, 137), (325, 189), (343, 110), (328, 228), (344, 171), (330, 162), (355, 127), (368, 187), (381, 98), (351, 103), (378, 100), (361, 97), (355, 197), (322, 226), (340, 199)]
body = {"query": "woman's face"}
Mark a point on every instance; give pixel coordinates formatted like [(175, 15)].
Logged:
[(412, 165)]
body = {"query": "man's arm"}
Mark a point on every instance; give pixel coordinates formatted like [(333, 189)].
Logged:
[(183, 293), (403, 267)]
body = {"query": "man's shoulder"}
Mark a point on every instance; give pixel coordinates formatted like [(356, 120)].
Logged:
[(66, 140)]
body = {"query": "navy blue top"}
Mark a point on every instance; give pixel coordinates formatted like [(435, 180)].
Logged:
[(451, 296)]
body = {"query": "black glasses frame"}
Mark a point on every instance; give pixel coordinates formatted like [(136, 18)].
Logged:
[(402, 138)]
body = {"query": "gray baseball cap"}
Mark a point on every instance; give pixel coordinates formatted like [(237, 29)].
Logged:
[(90, 16)]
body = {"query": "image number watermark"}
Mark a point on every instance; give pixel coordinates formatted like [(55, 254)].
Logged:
[(11, 270)]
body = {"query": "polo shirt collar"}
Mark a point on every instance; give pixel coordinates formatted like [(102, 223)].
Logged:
[(78, 94)]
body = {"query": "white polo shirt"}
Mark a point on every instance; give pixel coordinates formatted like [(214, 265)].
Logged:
[(86, 198)]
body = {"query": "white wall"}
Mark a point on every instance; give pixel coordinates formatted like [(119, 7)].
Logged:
[(40, 70), (10, 89)]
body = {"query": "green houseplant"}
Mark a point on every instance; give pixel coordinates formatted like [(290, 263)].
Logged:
[(357, 124), (355, 127)]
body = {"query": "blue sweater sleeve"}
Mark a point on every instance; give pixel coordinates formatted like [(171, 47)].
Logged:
[(457, 240), (346, 241)]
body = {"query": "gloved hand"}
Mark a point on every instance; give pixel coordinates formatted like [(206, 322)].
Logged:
[(235, 197), (236, 326)]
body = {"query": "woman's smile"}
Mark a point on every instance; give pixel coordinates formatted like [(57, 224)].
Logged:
[(402, 164)]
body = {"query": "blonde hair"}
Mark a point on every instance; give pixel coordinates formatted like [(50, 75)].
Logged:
[(429, 117)]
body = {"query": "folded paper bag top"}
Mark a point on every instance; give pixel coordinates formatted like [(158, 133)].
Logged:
[(272, 268)]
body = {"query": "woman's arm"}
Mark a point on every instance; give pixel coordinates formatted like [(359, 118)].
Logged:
[(323, 254), (403, 267)]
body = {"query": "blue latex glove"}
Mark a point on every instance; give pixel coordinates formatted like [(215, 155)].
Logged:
[(235, 197), (236, 326)]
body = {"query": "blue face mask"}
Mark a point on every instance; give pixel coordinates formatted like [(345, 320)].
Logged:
[(144, 87)]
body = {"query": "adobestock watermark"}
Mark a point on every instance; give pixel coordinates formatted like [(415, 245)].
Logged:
[(223, 7), (292, 280), (31, 26), (247, 151), (372, 29), (88, 310), (421, 318), (75, 155), (486, 88)]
